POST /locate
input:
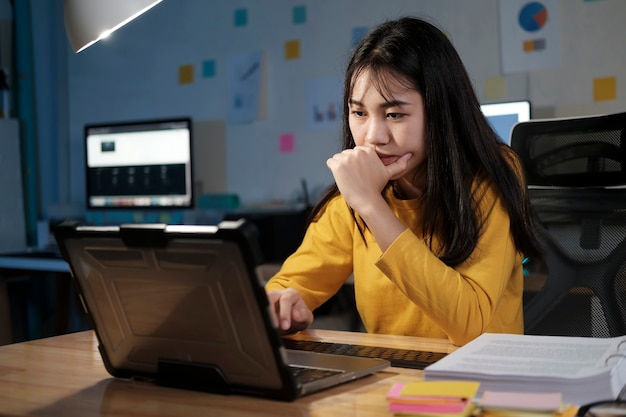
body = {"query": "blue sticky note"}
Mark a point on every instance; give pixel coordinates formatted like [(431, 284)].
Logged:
[(208, 68), (358, 33), (299, 15), (241, 17)]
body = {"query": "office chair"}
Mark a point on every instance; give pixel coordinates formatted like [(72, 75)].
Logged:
[(576, 174)]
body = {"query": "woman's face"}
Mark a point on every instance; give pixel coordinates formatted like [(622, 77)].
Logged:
[(392, 126)]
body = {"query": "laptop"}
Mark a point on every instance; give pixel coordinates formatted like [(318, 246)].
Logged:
[(182, 306)]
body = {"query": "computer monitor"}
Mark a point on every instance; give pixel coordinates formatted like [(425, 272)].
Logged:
[(503, 116), (139, 164)]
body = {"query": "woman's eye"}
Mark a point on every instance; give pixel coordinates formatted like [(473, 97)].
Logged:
[(358, 113), (394, 115)]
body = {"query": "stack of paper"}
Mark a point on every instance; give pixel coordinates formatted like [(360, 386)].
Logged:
[(437, 398), (582, 369)]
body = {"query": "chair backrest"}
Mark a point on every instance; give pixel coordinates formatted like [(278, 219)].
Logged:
[(576, 174)]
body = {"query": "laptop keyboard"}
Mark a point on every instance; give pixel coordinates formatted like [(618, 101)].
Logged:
[(402, 358), (303, 374)]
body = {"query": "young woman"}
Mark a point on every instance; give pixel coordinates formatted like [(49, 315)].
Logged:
[(429, 210)]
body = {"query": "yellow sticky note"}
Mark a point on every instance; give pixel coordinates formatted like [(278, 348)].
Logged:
[(462, 389), (185, 74), (495, 88), (292, 49), (604, 88)]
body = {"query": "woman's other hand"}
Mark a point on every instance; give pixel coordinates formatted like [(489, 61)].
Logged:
[(290, 311)]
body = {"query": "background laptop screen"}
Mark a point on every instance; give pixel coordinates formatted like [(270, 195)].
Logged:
[(503, 116), (143, 164)]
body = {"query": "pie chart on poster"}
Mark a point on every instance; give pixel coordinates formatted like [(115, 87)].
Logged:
[(533, 16)]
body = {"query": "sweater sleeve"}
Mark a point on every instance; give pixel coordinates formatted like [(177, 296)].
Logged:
[(322, 263), (462, 300)]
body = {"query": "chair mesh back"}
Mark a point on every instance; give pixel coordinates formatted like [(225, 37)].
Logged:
[(586, 152), (576, 169)]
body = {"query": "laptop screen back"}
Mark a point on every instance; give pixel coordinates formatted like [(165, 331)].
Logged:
[(184, 297)]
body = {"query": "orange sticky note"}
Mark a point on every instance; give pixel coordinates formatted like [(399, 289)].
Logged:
[(292, 49), (185, 74), (529, 45), (604, 89)]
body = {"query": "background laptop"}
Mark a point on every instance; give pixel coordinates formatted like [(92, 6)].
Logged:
[(182, 305)]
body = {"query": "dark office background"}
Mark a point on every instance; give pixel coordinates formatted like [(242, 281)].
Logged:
[(180, 58), (177, 60)]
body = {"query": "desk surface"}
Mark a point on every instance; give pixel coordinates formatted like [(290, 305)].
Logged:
[(64, 376)]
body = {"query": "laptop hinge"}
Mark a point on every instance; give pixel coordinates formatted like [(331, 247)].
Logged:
[(194, 376)]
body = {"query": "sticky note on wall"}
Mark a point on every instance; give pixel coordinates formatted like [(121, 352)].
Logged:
[(286, 143), (495, 88), (292, 49), (240, 17), (185, 74), (299, 15), (604, 88), (358, 33), (208, 68)]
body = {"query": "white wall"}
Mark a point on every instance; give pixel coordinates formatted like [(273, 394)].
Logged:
[(134, 75)]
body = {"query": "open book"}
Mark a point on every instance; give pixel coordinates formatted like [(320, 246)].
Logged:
[(583, 369)]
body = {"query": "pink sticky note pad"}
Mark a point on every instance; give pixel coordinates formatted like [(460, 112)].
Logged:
[(286, 143), (404, 408), (548, 401)]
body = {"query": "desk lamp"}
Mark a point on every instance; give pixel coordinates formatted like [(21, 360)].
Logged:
[(88, 21)]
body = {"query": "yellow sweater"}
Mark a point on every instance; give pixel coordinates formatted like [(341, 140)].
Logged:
[(407, 290)]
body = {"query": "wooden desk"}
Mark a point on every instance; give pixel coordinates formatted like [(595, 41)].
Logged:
[(64, 376)]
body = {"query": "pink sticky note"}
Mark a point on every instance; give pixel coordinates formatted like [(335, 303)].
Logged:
[(537, 401), (428, 408), (286, 143), (395, 390)]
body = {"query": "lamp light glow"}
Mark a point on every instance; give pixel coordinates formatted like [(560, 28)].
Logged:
[(88, 21)]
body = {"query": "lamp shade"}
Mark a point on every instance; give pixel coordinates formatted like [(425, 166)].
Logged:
[(88, 21)]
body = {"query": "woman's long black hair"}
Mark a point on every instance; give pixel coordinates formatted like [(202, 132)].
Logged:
[(461, 146)]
